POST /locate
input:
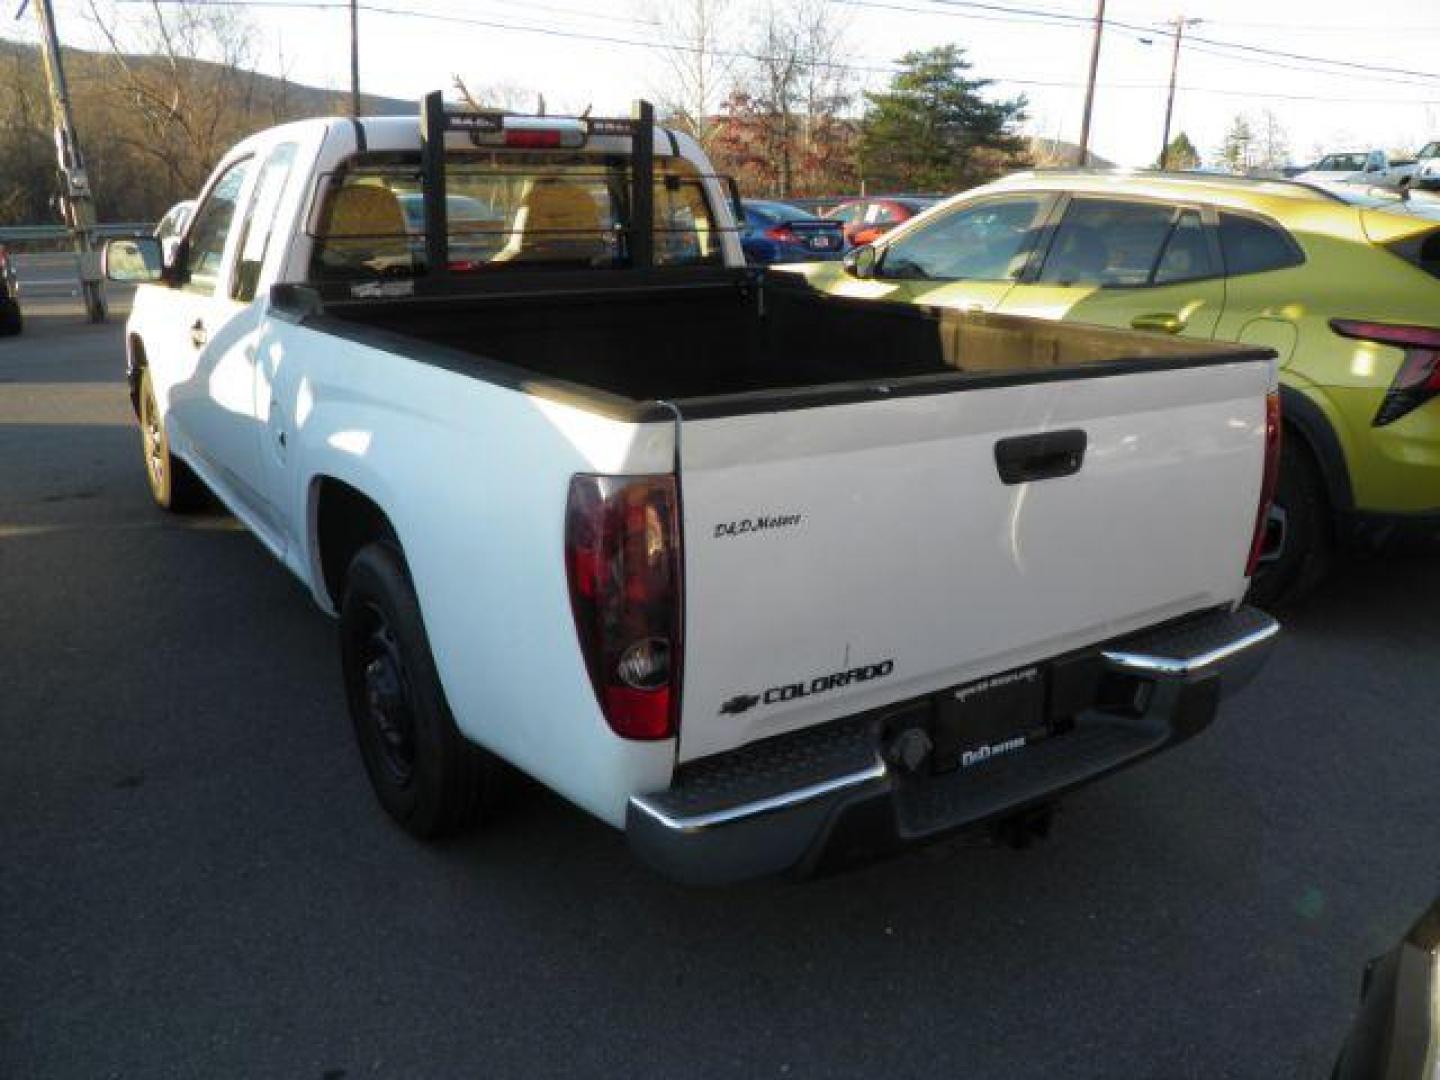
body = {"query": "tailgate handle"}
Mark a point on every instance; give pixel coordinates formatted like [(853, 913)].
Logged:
[(1023, 458)]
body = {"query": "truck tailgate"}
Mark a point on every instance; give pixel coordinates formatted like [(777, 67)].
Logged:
[(842, 557)]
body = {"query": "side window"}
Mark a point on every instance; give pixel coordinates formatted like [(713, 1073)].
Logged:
[(1187, 253), (883, 214), (212, 227), (260, 221), (1108, 242), (986, 241), (1250, 245)]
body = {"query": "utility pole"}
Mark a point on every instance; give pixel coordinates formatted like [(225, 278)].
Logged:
[(354, 57), (76, 202), (1180, 24), (1090, 83)]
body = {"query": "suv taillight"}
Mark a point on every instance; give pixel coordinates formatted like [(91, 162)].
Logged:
[(783, 233), (1418, 379), (622, 557), (1268, 480)]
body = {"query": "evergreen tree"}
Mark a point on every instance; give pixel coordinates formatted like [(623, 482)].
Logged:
[(1180, 154), (933, 130)]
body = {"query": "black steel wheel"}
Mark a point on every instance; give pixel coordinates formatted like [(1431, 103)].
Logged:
[(428, 777)]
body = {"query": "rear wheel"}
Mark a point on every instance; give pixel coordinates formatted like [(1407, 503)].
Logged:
[(428, 776), (172, 485), (1299, 540), (11, 321)]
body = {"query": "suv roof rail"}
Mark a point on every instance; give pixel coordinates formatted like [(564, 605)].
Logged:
[(1234, 179)]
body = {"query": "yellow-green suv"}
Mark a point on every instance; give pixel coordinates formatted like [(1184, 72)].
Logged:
[(1343, 283)]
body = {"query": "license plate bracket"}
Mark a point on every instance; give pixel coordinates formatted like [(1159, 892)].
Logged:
[(989, 717)]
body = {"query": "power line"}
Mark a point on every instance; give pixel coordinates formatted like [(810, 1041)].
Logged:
[(1192, 45), (1084, 21), (871, 65)]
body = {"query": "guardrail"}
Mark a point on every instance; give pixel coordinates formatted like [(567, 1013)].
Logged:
[(32, 234)]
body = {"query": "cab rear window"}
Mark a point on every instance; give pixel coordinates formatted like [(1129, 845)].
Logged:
[(1250, 245), (521, 211)]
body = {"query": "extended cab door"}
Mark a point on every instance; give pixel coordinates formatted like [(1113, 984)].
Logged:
[(968, 258), (259, 248), (221, 406), (1142, 264)]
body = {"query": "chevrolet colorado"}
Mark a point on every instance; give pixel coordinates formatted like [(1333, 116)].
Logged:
[(762, 577)]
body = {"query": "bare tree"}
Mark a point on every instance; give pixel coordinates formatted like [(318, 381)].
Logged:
[(506, 96), (698, 62), (1272, 145), (188, 75), (783, 119)]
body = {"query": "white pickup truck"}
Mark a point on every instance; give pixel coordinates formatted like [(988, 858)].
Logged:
[(1360, 167), (768, 579), (1427, 168)]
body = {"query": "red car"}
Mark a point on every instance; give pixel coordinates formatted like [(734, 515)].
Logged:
[(868, 217)]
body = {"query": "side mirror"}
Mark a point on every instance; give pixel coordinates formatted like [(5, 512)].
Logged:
[(137, 260), (861, 262)]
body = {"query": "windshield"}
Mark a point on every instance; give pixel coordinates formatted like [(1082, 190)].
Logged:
[(1429, 150), (503, 209)]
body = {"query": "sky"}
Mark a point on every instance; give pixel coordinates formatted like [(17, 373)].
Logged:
[(1326, 94)]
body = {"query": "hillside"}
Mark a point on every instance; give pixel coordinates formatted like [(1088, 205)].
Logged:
[(151, 132), (1057, 153), (307, 100)]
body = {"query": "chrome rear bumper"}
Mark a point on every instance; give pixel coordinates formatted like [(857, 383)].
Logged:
[(800, 801)]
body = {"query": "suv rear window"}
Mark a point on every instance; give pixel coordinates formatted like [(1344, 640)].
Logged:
[(1250, 245), (526, 211), (1114, 243)]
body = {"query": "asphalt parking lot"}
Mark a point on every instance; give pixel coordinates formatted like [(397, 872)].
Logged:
[(196, 881)]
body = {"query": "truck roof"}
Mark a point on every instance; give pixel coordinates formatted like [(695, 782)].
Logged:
[(401, 133)]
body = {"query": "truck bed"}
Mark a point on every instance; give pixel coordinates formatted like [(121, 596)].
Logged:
[(735, 344)]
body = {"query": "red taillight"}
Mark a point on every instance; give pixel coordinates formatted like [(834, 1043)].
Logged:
[(532, 138), (622, 557), (1267, 480), (783, 233), (1418, 379)]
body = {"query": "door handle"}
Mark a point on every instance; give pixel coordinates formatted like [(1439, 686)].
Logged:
[(1167, 322), (198, 334), (1046, 456)]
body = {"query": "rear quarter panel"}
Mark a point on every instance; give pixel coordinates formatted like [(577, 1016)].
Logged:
[(474, 478), (1393, 469)]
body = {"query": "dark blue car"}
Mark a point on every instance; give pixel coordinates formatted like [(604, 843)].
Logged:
[(776, 232)]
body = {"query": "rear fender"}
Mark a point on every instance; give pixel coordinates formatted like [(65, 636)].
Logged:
[(1306, 415)]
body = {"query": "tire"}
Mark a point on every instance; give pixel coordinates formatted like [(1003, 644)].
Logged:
[(1302, 530), (428, 777), (172, 485), (11, 321)]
